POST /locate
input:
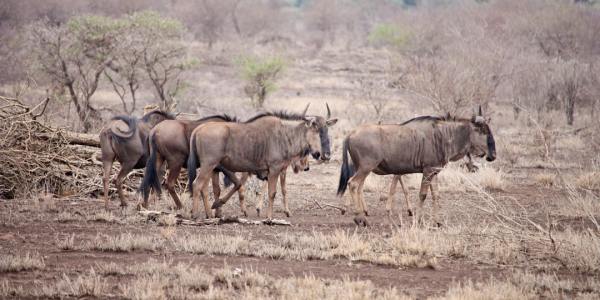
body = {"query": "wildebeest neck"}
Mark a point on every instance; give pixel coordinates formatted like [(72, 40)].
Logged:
[(455, 141)]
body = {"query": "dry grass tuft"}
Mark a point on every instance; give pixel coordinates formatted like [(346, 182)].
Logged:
[(17, 263), (67, 243), (588, 181), (545, 179), (126, 242)]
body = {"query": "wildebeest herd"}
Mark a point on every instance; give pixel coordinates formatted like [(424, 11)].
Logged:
[(268, 143)]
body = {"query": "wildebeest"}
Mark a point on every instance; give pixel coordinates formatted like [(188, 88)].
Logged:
[(125, 139), (265, 144), (169, 141), (421, 145)]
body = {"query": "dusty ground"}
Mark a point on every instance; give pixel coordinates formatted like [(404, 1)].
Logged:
[(39, 225)]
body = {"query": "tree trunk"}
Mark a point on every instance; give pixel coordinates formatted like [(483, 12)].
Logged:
[(570, 109)]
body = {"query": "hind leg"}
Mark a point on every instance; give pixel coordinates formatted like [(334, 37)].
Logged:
[(425, 183), (106, 167), (199, 183), (171, 181), (216, 192), (260, 203), (126, 168), (354, 183), (361, 196)]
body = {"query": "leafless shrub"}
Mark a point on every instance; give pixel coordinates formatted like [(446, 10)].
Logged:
[(126, 242)]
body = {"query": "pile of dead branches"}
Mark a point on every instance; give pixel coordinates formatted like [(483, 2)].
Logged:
[(36, 158)]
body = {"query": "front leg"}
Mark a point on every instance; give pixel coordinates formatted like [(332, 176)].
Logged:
[(272, 190), (286, 208)]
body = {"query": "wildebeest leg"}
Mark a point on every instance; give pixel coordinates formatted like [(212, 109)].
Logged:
[(171, 180), (286, 209), (265, 191), (107, 163), (435, 200), (406, 197), (241, 193), (354, 184), (272, 190), (200, 182), (389, 206), (216, 192), (425, 182), (125, 169), (361, 196), (236, 186)]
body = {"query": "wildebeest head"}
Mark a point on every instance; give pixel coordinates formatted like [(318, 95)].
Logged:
[(322, 125), (301, 164), (482, 140)]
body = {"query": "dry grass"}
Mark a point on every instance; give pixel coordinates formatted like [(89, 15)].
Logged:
[(161, 280), (545, 179), (17, 263), (126, 242), (66, 243), (588, 181)]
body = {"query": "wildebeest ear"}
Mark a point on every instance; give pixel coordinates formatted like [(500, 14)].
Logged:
[(480, 113), (331, 122)]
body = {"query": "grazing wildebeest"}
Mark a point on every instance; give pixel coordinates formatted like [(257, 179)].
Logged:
[(170, 141), (421, 145), (125, 139), (265, 144)]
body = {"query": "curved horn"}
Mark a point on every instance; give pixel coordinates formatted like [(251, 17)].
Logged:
[(305, 110), (328, 111)]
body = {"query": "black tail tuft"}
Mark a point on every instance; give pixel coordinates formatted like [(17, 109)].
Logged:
[(124, 135), (192, 165), (346, 172), (151, 180), (227, 182)]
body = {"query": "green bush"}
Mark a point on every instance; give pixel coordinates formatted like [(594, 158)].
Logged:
[(260, 75)]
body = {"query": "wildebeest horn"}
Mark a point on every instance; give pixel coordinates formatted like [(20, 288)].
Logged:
[(328, 111), (480, 113), (305, 109)]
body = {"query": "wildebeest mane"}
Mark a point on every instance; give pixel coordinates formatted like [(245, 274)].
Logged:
[(279, 114), (224, 117), (165, 114), (424, 118)]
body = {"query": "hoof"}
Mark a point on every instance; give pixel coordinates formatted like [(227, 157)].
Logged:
[(438, 225), (361, 221), (218, 213), (343, 211), (287, 214), (245, 213), (217, 204), (410, 213), (258, 212), (366, 213)]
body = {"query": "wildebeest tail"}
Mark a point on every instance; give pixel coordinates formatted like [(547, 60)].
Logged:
[(131, 124), (192, 164), (151, 179), (346, 172)]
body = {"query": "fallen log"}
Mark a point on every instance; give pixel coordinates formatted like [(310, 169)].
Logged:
[(153, 216), (73, 138)]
